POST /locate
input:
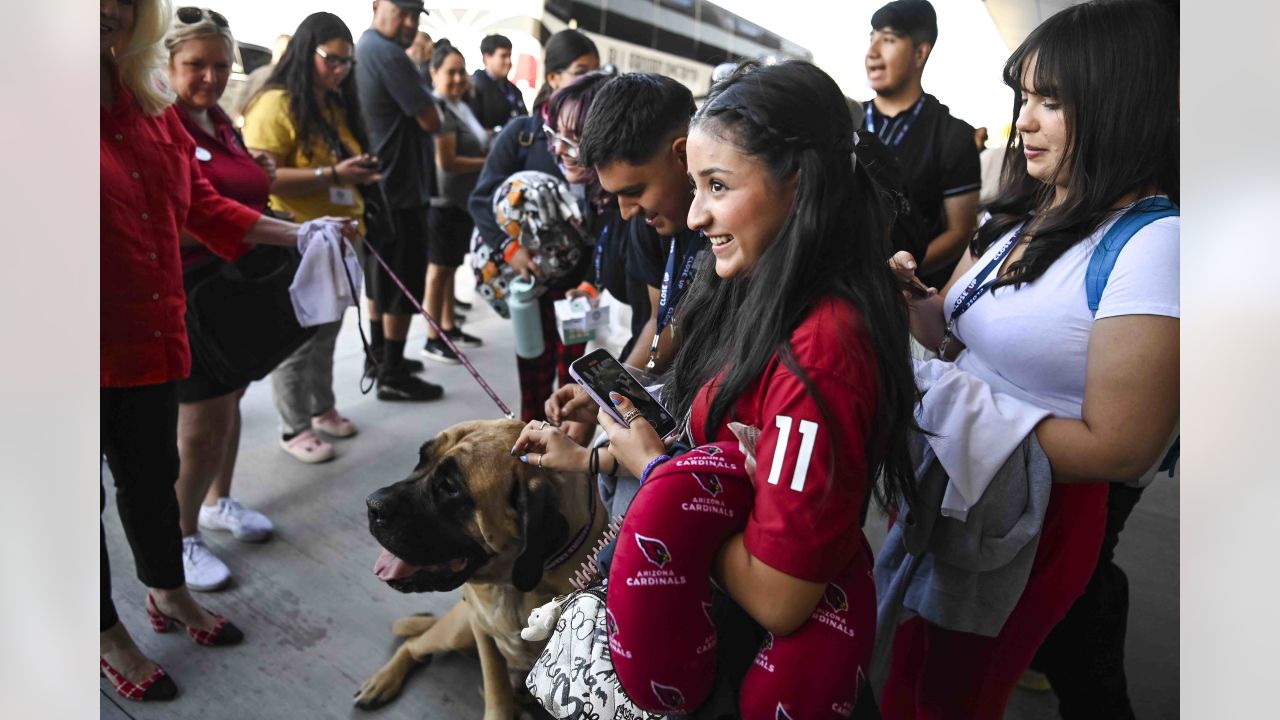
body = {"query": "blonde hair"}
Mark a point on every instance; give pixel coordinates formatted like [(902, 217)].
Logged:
[(180, 32), (142, 61)]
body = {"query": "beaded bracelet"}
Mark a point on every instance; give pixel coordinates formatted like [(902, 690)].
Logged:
[(652, 464)]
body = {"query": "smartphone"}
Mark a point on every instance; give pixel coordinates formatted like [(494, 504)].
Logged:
[(917, 288), (600, 374)]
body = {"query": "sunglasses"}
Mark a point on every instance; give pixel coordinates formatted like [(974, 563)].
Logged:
[(335, 61), (191, 15), (553, 137)]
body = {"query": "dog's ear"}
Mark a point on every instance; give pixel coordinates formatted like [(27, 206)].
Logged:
[(542, 529), (426, 454)]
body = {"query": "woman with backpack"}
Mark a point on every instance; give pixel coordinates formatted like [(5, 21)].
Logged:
[(522, 145), (1017, 314)]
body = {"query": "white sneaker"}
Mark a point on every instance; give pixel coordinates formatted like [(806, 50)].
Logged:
[(203, 570), (245, 524)]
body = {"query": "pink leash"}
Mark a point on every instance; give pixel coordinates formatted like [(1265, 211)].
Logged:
[(435, 326)]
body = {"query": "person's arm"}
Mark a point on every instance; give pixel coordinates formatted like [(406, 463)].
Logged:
[(962, 218), (498, 166), (293, 182), (1130, 403), (395, 72), (448, 159), (779, 602)]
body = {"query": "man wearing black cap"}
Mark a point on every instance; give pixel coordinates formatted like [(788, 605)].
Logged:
[(937, 152), (399, 116)]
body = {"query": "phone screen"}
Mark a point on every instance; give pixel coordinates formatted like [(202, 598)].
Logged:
[(601, 374)]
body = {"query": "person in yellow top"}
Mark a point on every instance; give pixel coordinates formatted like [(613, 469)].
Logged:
[(307, 119)]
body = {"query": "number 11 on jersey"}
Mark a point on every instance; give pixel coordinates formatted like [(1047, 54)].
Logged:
[(808, 435)]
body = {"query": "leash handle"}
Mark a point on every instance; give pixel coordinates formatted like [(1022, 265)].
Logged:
[(439, 331)]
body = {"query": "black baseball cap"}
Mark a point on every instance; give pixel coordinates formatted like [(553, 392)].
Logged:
[(418, 5), (914, 18)]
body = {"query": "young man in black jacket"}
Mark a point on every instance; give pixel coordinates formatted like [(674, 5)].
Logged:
[(495, 100)]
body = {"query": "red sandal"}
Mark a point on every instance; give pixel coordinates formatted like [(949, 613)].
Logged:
[(223, 633), (157, 687)]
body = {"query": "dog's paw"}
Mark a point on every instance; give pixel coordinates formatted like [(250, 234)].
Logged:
[(413, 625), (379, 690)]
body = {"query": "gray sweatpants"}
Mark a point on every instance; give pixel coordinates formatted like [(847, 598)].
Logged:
[(302, 385)]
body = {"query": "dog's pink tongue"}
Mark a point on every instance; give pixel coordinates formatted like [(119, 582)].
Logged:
[(390, 567)]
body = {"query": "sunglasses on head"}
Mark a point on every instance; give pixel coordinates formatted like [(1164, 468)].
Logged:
[(191, 15)]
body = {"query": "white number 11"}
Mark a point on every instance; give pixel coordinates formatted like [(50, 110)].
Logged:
[(808, 434)]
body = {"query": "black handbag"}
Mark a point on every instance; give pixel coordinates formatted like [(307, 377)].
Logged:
[(240, 319)]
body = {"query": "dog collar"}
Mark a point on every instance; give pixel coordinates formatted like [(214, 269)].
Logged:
[(578, 540)]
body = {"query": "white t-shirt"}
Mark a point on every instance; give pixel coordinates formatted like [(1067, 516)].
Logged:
[(1032, 341)]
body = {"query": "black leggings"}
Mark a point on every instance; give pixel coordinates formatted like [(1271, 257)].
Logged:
[(139, 436)]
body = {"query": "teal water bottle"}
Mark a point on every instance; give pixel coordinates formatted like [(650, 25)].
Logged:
[(526, 318)]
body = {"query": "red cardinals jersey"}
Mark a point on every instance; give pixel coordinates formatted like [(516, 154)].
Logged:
[(811, 466)]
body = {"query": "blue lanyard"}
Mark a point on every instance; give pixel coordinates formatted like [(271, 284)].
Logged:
[(599, 256), (976, 289), (668, 297), (895, 138)]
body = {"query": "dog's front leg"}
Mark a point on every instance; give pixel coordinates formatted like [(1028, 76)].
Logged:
[(499, 701)]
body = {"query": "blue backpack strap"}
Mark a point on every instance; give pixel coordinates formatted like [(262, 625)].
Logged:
[(1103, 261), (1104, 256)]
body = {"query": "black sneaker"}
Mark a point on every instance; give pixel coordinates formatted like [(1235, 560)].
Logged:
[(407, 386), (412, 366), (460, 338), (460, 304), (438, 351)]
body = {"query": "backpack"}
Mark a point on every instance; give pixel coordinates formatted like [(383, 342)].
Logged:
[(1143, 213)]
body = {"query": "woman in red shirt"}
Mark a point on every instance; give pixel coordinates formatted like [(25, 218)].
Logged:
[(200, 48), (152, 189), (793, 327)]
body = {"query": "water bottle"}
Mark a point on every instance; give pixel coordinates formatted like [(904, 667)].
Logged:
[(526, 318)]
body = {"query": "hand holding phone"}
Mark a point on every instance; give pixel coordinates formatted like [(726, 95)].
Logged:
[(600, 374)]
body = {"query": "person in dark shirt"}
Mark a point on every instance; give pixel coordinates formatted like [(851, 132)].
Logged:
[(635, 140), (400, 115), (495, 99), (936, 151), (522, 145)]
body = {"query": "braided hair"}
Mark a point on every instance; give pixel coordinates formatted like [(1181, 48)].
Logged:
[(792, 118)]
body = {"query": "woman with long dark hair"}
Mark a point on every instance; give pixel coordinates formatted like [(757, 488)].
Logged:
[(1096, 114), (307, 119), (794, 329)]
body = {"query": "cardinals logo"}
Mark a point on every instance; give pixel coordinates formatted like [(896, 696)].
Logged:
[(668, 696), (710, 483), (767, 645), (836, 598), (708, 450), (781, 714), (654, 549), (612, 623)]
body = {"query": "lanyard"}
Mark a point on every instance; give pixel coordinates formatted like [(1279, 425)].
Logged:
[(669, 297), (599, 255), (974, 290), (895, 138)]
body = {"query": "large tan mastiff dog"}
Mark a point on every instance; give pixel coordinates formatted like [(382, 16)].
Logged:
[(511, 535)]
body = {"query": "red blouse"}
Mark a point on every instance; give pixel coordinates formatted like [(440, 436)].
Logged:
[(152, 188), (811, 469), (228, 166)]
